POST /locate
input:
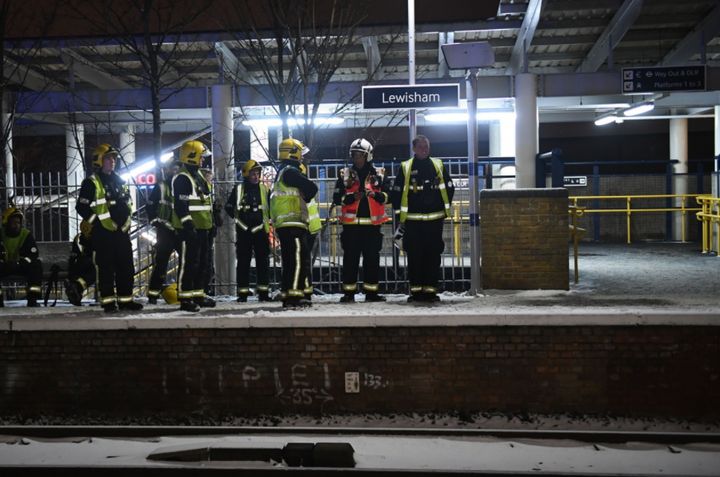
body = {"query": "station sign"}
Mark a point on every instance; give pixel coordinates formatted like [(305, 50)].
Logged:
[(411, 96), (664, 78), (575, 181)]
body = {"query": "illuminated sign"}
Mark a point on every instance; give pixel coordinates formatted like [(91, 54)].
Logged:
[(145, 179)]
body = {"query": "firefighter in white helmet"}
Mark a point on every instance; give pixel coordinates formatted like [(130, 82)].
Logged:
[(289, 199), (249, 206), (105, 202), (361, 192)]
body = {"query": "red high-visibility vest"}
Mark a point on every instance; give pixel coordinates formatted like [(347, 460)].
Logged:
[(377, 210)]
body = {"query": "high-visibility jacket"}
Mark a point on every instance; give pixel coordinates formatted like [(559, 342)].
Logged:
[(239, 193), (287, 207), (13, 245), (440, 214), (199, 204), (314, 221), (348, 213), (101, 207), (165, 206)]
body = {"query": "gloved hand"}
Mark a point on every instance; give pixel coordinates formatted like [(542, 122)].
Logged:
[(348, 199), (188, 231), (377, 196), (399, 233)]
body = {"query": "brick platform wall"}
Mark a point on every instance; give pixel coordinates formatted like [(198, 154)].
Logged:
[(524, 234), (662, 371)]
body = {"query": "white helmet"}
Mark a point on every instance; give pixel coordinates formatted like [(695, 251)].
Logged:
[(362, 145)]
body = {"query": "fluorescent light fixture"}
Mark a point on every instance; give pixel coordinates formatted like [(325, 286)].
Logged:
[(606, 119), (448, 118), (639, 109), (139, 169), (166, 157), (276, 122)]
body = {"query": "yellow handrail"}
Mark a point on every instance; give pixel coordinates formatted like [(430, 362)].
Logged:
[(709, 214), (628, 209)]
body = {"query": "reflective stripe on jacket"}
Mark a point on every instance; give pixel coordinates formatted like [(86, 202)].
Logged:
[(101, 207), (199, 205), (240, 191), (287, 207), (404, 213)]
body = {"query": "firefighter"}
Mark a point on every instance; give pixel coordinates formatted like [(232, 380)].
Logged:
[(360, 191), (159, 210), (289, 199), (81, 269), (104, 201), (314, 228), (192, 220), (422, 193), (249, 207), (19, 254)]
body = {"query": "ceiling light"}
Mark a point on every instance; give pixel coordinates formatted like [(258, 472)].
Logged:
[(448, 118), (606, 119), (639, 109)]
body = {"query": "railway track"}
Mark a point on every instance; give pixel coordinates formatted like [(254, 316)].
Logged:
[(208, 459)]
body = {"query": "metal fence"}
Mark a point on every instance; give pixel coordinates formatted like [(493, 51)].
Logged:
[(48, 202)]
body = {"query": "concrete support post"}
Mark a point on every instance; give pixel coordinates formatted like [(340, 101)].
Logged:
[(224, 169), (526, 129), (260, 143), (502, 144), (679, 152), (75, 167), (473, 172), (8, 156)]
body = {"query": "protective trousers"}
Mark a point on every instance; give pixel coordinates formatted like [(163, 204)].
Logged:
[(247, 243), (32, 272), (82, 271), (357, 241), (294, 251), (163, 250), (193, 267), (308, 287), (113, 259), (423, 244)]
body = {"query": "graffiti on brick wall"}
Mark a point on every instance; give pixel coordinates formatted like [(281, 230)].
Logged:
[(299, 388), (375, 381)]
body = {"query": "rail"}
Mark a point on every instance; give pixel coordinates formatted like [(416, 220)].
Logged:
[(628, 210), (709, 215)]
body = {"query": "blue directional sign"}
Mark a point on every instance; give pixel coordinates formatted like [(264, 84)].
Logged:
[(663, 78), (411, 96)]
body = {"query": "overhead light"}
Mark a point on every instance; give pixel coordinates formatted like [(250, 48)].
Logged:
[(276, 122), (639, 109), (606, 119), (447, 118)]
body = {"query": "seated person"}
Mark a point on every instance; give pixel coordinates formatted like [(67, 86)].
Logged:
[(20, 254), (81, 269)]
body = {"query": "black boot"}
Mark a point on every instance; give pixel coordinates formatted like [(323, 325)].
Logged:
[(74, 292), (347, 298), (187, 305), (205, 302), (32, 301), (374, 296), (242, 298), (130, 306), (264, 296), (110, 307), (152, 300)]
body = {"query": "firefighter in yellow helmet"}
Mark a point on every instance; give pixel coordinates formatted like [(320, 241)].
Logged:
[(249, 207), (289, 199), (19, 254), (192, 220), (105, 202)]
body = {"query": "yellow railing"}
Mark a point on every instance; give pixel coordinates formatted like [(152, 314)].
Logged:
[(628, 210), (709, 215), (576, 234)]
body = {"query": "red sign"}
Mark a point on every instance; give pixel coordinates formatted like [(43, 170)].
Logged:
[(146, 178)]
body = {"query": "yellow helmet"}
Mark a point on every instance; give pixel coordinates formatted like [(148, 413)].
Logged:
[(10, 212), (192, 153), (249, 166), (100, 152), (170, 294), (291, 149)]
